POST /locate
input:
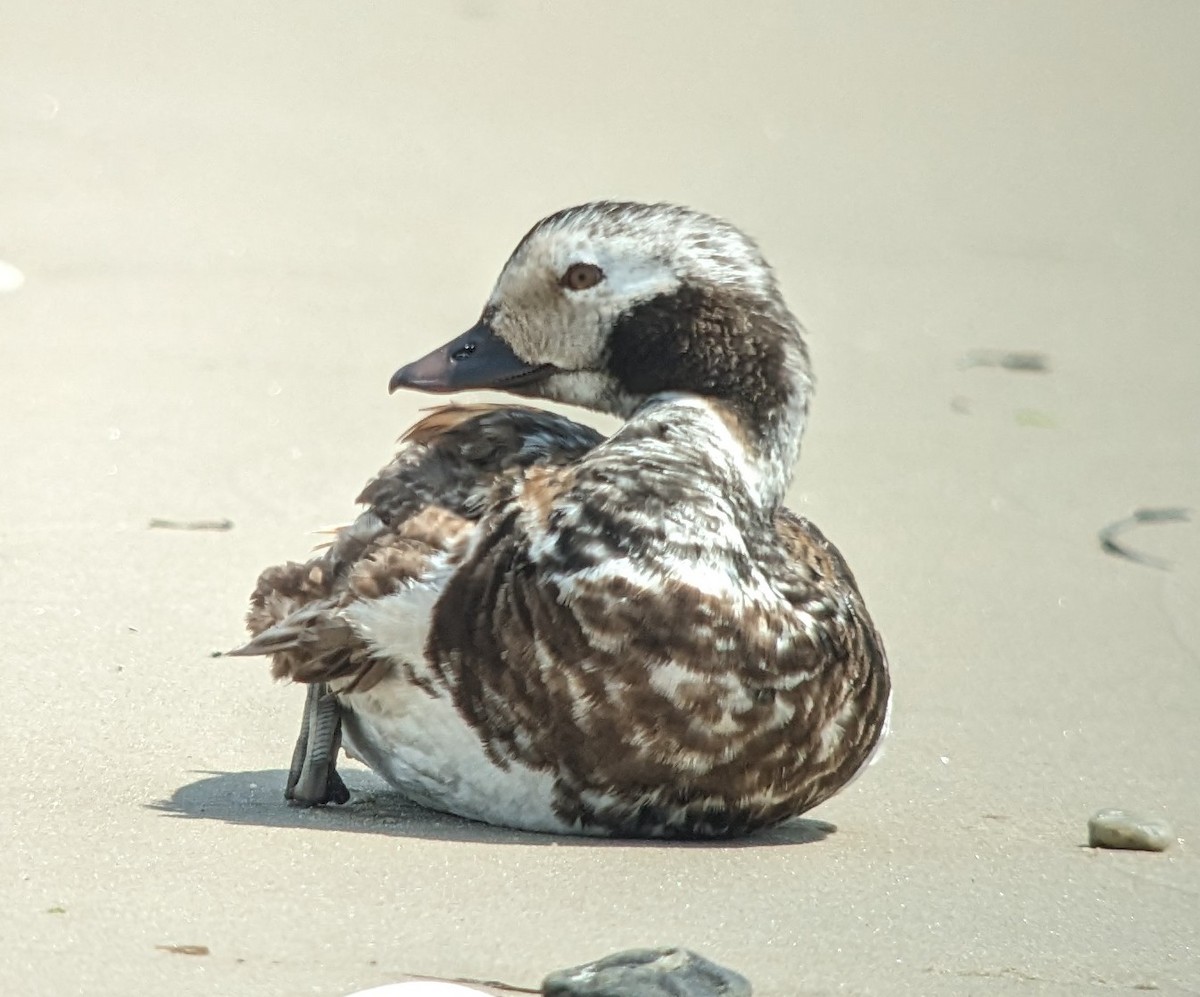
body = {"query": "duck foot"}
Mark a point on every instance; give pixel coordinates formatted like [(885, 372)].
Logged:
[(313, 778)]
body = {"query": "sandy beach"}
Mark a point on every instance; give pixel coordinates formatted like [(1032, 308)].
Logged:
[(222, 228)]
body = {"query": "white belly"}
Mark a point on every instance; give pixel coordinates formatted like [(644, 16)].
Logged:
[(423, 747)]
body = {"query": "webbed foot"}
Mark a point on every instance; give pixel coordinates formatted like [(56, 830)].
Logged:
[(313, 778)]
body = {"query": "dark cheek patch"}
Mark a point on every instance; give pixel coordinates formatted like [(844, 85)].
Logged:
[(690, 340), (649, 343)]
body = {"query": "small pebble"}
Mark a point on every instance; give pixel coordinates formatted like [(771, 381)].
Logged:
[(647, 973), (1119, 829)]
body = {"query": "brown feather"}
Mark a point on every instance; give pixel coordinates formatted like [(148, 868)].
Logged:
[(443, 418), (425, 502)]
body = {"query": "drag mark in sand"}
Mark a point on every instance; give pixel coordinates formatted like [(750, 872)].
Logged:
[(1108, 535), (217, 525), (1020, 360)]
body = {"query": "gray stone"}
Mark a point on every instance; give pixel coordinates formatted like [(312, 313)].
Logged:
[(1119, 829), (647, 973)]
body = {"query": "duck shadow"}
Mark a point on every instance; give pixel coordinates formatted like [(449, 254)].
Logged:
[(256, 798)]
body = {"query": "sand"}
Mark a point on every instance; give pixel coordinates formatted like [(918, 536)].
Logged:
[(225, 225)]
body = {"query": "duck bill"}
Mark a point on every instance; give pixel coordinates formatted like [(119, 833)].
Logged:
[(476, 359)]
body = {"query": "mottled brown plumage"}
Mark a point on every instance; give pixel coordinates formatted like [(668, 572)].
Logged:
[(421, 504), (535, 626)]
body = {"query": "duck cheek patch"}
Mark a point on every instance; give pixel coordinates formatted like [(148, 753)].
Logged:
[(703, 344), (652, 346)]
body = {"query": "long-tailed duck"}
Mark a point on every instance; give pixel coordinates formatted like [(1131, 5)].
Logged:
[(537, 627)]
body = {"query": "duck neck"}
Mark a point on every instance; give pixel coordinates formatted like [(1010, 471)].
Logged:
[(716, 441), (742, 358), (771, 450)]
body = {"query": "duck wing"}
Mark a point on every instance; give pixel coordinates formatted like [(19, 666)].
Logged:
[(453, 457), (420, 508), (666, 696)]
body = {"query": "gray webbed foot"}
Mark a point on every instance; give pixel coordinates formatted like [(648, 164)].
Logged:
[(313, 779)]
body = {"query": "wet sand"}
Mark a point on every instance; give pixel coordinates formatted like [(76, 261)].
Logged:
[(234, 221)]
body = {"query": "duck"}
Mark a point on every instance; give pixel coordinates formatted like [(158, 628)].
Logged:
[(540, 627)]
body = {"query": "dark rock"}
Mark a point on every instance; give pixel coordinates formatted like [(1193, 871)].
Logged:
[(647, 973)]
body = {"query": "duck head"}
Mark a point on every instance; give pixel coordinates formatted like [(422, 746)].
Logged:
[(609, 305)]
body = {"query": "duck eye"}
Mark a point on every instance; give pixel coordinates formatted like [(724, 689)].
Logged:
[(581, 276)]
